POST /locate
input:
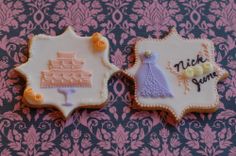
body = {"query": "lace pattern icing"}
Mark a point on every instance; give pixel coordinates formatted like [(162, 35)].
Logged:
[(65, 71), (150, 79)]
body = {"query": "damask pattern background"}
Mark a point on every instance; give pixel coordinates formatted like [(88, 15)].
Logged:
[(117, 129)]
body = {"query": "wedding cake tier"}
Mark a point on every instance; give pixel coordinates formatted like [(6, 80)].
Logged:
[(65, 71)]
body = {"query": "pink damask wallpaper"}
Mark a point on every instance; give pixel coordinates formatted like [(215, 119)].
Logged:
[(116, 129)]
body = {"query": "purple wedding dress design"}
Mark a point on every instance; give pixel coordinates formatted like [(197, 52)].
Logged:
[(150, 79)]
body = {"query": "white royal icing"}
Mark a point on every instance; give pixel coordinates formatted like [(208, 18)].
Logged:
[(44, 48), (174, 48)]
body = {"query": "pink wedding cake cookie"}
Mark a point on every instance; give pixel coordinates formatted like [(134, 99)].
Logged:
[(67, 71)]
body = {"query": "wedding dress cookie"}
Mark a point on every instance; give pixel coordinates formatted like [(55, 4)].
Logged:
[(176, 74)]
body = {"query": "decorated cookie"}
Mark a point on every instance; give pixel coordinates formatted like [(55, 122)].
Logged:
[(175, 74), (67, 71)]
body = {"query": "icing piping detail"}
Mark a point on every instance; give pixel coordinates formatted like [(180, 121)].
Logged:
[(32, 97), (203, 80), (150, 79), (189, 62), (207, 67), (204, 52), (222, 75), (67, 92), (198, 71), (189, 72), (96, 36), (87, 102), (181, 78), (193, 68), (65, 71), (99, 45)]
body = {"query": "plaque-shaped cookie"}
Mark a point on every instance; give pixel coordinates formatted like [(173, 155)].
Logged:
[(67, 71), (176, 74)]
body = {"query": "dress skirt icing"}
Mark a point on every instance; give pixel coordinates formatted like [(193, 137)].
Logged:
[(150, 79)]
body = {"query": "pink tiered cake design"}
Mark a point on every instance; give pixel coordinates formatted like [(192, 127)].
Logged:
[(65, 71)]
